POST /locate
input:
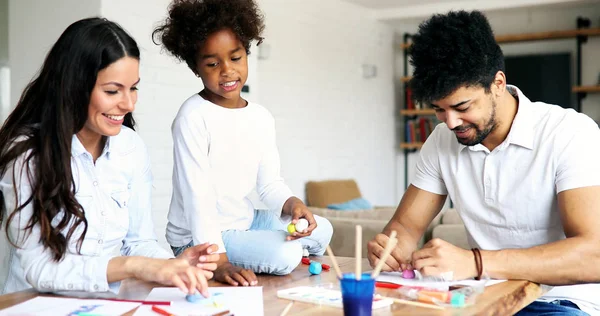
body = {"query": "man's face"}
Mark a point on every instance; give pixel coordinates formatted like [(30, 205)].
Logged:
[(469, 112)]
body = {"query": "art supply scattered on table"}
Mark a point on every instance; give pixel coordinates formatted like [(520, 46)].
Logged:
[(161, 311), (435, 291), (358, 255), (357, 294), (193, 298), (413, 303), (325, 296), (408, 274), (299, 227), (222, 301), (315, 267), (287, 309), (431, 282), (43, 305), (143, 302), (392, 241), (336, 266), (387, 285)]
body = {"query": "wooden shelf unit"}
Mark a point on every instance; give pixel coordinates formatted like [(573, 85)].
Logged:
[(575, 89), (580, 34), (411, 145), (538, 36), (586, 89), (417, 112)]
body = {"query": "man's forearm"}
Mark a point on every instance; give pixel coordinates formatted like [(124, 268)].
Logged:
[(569, 261), (404, 235)]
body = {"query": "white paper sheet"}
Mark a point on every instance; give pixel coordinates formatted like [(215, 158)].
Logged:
[(57, 306), (396, 278), (240, 301)]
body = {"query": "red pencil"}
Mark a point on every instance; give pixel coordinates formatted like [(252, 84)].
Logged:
[(162, 303), (387, 285), (161, 311)]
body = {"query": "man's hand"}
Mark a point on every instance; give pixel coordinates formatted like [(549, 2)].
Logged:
[(438, 256), (399, 258), (203, 256), (233, 275), (297, 209)]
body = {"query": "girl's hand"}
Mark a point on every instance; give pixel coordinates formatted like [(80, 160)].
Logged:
[(174, 272), (297, 209), (234, 275)]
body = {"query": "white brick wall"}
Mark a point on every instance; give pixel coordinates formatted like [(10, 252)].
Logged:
[(33, 27), (331, 122), (165, 84)]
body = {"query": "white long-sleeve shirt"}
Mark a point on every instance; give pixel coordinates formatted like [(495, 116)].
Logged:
[(220, 156), (115, 194)]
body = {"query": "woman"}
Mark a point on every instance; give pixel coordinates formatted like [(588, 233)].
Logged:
[(75, 178)]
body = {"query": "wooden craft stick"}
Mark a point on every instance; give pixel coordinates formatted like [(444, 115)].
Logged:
[(288, 307), (334, 262), (358, 247), (413, 303), (392, 241)]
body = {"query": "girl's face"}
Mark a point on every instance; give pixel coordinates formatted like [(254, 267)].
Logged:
[(113, 96), (222, 64)]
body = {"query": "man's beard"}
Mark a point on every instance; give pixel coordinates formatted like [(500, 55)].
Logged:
[(480, 134)]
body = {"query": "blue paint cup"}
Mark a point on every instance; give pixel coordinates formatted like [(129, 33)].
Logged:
[(357, 296)]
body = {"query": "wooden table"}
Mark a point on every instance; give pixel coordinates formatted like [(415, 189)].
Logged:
[(500, 299)]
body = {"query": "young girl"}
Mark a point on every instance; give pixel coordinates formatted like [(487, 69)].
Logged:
[(75, 178), (224, 148)]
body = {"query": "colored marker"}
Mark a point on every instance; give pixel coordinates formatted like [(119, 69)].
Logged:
[(161, 311)]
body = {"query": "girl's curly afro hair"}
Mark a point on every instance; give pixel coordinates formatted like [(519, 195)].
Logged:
[(190, 22), (451, 51)]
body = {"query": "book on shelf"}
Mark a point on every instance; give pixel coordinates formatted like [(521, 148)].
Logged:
[(417, 130), (409, 100)]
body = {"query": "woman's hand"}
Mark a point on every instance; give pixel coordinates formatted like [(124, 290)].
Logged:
[(203, 256), (174, 272)]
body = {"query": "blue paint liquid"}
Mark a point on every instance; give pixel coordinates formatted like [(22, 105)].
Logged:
[(357, 296), (357, 305)]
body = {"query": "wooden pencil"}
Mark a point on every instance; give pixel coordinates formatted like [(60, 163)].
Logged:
[(413, 303), (389, 247), (287, 309), (358, 248), (334, 262)]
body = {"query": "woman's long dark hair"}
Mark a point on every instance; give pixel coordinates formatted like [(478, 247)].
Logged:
[(52, 108)]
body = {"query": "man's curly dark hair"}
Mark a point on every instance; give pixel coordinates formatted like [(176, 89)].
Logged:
[(190, 22), (451, 51)]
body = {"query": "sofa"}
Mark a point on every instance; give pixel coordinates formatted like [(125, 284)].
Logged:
[(319, 194)]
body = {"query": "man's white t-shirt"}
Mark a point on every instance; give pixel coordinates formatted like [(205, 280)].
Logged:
[(220, 156), (507, 198)]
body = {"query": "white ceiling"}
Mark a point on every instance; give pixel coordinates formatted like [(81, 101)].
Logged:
[(392, 4), (399, 10)]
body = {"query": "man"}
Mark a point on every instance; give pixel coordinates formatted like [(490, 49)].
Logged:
[(524, 176)]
